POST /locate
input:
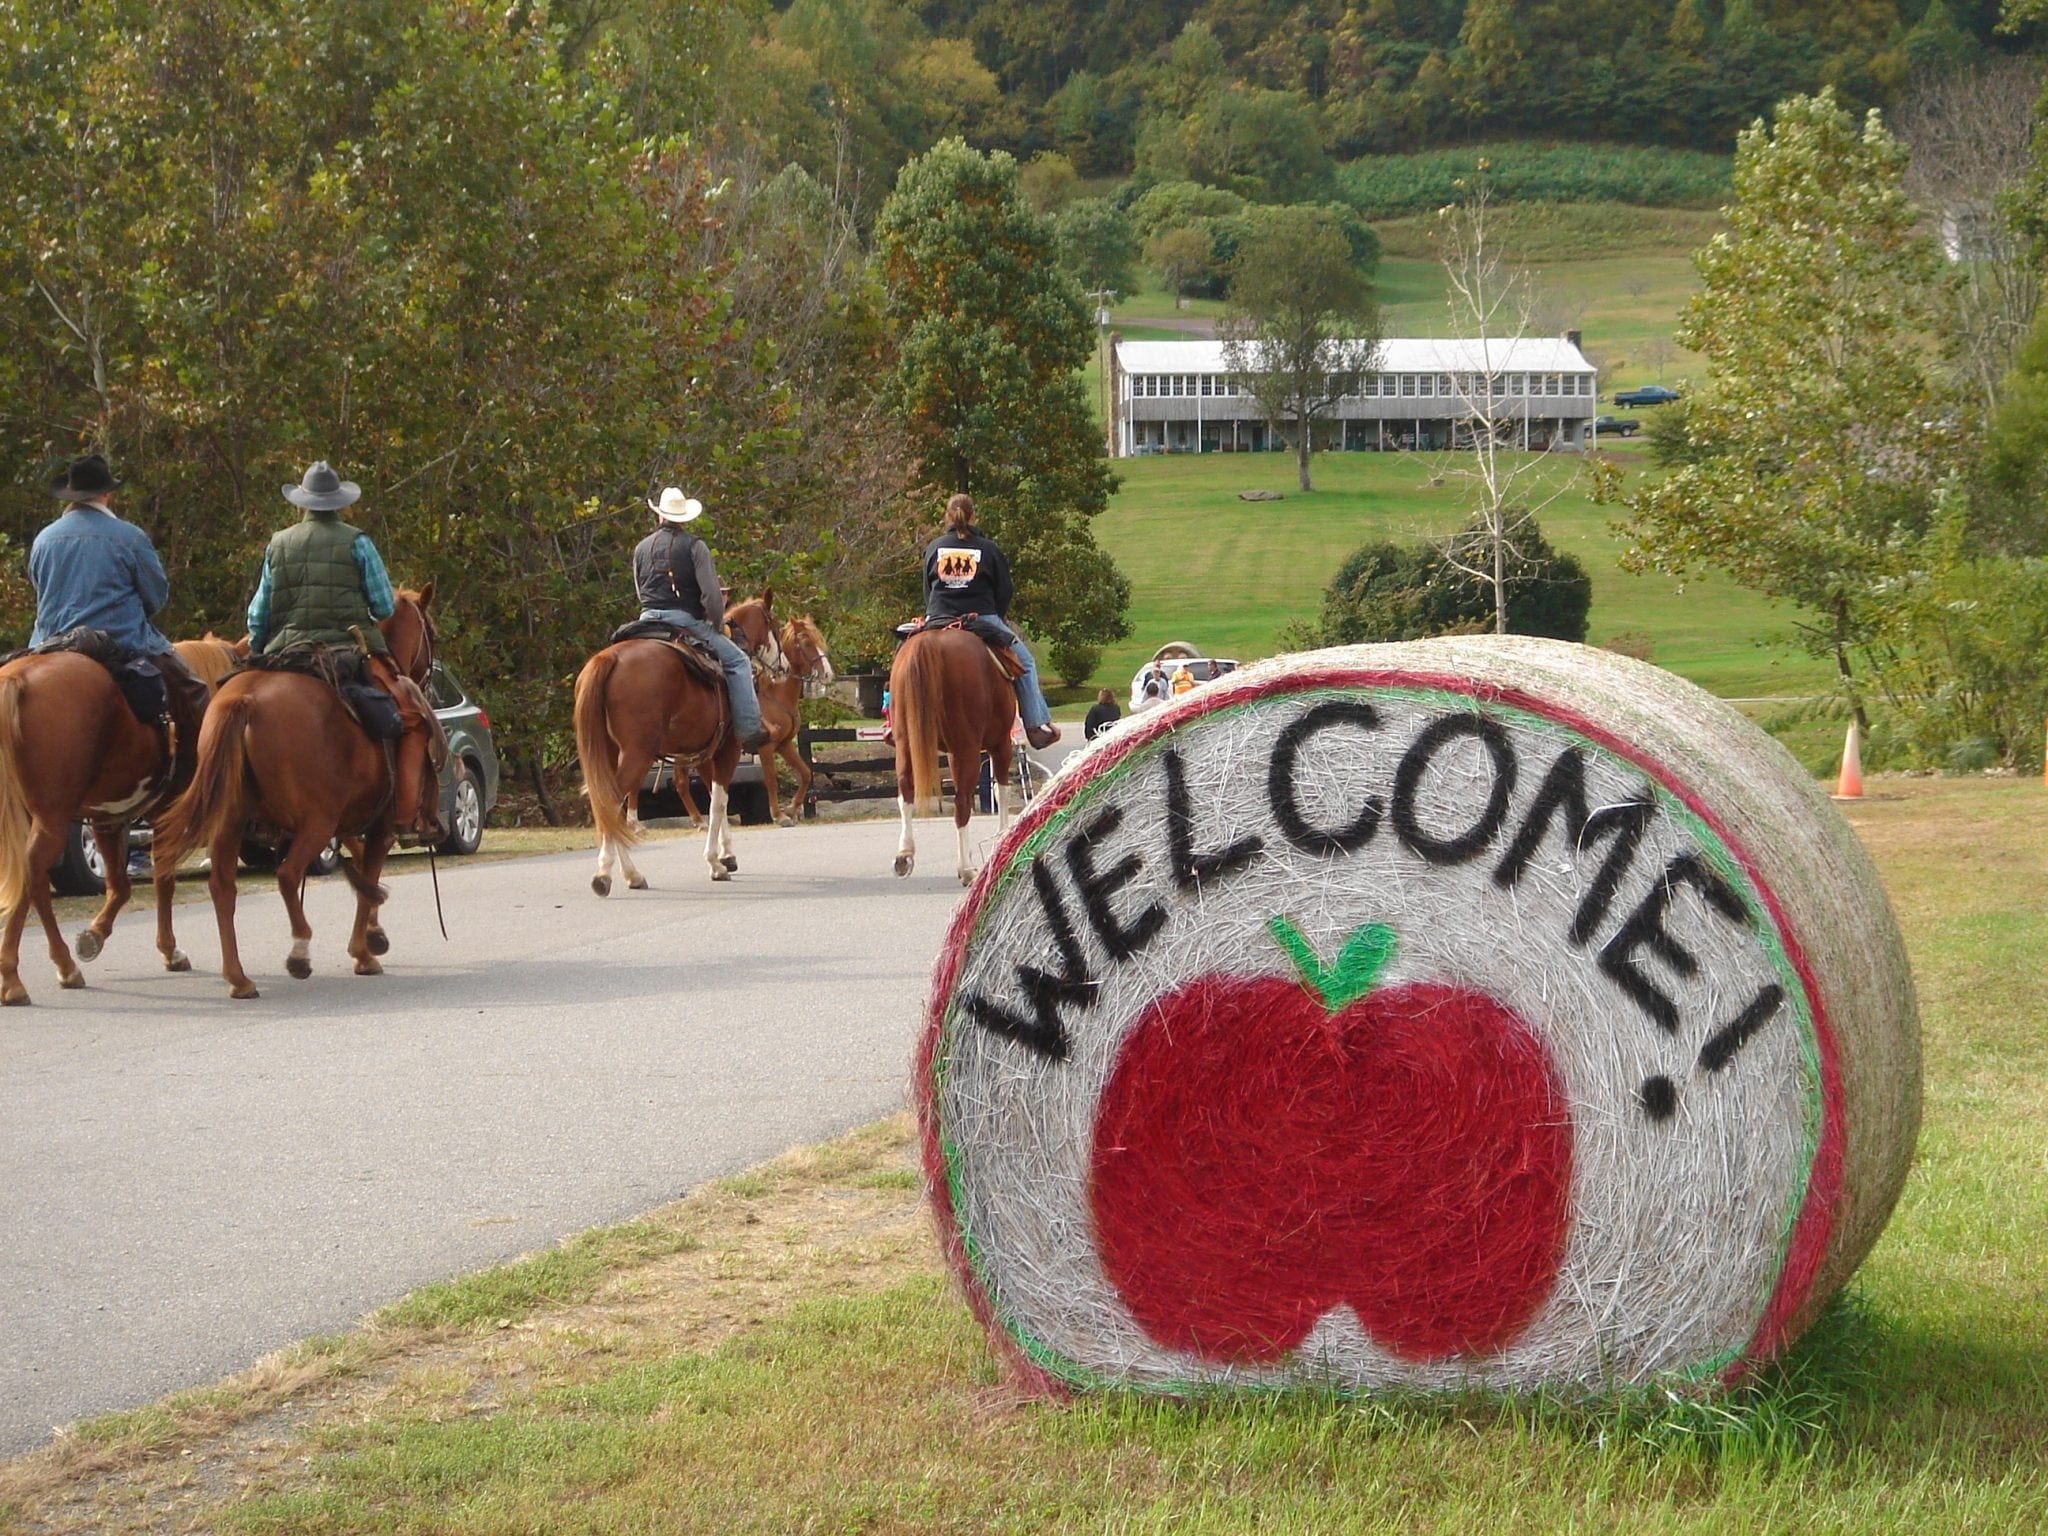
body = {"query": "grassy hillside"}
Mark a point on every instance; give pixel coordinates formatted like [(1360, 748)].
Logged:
[(1227, 574)]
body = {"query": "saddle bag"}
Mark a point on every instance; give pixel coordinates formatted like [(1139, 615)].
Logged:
[(375, 709), (143, 686)]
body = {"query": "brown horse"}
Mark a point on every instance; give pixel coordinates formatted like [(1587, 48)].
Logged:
[(212, 658), (949, 693), (638, 702), (281, 750), (797, 660), (72, 749)]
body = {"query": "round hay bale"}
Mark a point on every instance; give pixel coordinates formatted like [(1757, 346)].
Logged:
[(1475, 1012)]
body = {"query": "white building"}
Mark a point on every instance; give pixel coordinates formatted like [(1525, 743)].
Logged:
[(1180, 397)]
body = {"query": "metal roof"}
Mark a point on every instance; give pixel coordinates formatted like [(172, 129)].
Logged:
[(1398, 354)]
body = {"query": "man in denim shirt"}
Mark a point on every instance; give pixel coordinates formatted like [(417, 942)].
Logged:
[(93, 571)]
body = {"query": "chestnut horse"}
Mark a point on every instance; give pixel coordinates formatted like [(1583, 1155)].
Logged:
[(636, 703), (948, 693), (780, 680), (72, 749), (281, 749)]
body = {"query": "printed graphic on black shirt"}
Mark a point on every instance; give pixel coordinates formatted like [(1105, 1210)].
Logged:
[(957, 567)]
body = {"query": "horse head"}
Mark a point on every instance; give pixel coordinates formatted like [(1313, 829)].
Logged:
[(752, 627), (410, 635), (804, 643)]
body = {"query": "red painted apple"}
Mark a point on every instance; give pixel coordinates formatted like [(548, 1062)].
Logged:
[(1267, 1150)]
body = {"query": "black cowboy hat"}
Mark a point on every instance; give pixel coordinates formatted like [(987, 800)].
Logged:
[(84, 479), (322, 490)]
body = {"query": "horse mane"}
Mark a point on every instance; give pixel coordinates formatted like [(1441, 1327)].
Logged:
[(210, 657)]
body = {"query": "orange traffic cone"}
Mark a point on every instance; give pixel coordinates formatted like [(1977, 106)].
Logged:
[(1849, 784)]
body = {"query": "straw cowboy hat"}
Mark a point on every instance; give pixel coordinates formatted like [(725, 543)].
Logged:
[(675, 507), (322, 490), (84, 479)]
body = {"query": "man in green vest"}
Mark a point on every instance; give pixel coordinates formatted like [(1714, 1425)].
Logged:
[(323, 584)]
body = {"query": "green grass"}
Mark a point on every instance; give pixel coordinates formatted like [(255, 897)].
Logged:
[(1226, 575), (507, 1292), (1918, 1403)]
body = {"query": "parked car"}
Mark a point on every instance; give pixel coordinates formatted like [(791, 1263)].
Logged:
[(469, 791), (1153, 682), (1620, 426), (1649, 394)]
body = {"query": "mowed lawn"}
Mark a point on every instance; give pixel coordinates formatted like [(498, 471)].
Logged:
[(782, 1353), (1227, 575)]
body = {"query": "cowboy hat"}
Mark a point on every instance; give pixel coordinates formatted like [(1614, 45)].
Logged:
[(322, 490), (675, 507), (84, 479)]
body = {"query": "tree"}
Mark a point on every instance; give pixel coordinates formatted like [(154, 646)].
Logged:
[(1969, 131), (1387, 591), (1492, 304), (1824, 424), (1181, 257), (1301, 326), (992, 334), (1095, 244)]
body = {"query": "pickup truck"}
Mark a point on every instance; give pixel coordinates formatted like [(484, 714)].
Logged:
[(1620, 426), (1649, 394)]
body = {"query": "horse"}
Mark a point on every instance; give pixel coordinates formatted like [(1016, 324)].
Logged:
[(637, 701), (280, 748), (948, 693), (72, 749), (212, 658), (800, 660)]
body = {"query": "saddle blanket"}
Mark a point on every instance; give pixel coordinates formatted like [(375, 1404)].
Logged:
[(990, 635), (141, 684), (342, 670)]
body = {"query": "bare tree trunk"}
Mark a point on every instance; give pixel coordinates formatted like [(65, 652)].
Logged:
[(1500, 572), (1301, 447), (539, 780)]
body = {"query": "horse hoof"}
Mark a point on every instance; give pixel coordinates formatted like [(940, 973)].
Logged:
[(177, 960), (602, 884), (902, 865), (377, 941), (785, 821), (14, 997), (732, 865), (720, 872), (242, 991), (89, 945), (967, 877), (368, 966), (298, 968), (72, 980), (637, 883)]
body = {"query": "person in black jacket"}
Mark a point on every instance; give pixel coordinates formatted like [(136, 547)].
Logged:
[(1102, 716), (677, 584), (967, 576)]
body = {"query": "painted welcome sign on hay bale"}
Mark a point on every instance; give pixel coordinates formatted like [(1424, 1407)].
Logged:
[(1479, 1012)]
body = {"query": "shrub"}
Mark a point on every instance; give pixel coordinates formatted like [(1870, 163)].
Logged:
[(1388, 591), (1522, 172), (1073, 661)]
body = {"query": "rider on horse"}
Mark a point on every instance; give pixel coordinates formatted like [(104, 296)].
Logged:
[(93, 571), (323, 584), (677, 584), (967, 577)]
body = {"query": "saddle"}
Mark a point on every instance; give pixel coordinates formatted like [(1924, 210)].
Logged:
[(997, 642), (141, 684), (697, 660), (342, 670)]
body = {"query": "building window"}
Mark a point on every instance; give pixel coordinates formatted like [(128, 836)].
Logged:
[(1518, 384), (1585, 383), (1408, 384)]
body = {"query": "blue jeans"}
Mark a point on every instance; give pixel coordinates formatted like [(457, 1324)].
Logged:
[(1030, 696), (739, 671)]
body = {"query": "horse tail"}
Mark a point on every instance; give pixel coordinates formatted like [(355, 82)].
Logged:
[(914, 712), (600, 754), (16, 825), (214, 799)]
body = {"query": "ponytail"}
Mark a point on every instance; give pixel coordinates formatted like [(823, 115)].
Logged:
[(960, 513)]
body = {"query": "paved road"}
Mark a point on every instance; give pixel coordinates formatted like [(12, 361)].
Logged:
[(187, 1183)]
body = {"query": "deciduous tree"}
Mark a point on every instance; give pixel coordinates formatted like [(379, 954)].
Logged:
[(1301, 326), (1824, 425)]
